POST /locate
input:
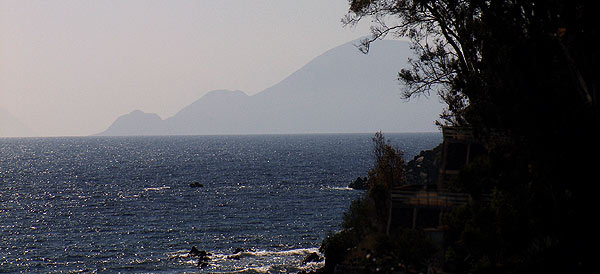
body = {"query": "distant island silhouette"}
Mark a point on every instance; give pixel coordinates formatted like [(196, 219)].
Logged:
[(340, 91)]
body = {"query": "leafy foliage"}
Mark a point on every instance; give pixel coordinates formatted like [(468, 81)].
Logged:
[(360, 216), (478, 53), (411, 248), (364, 240), (523, 75), (336, 247), (388, 171)]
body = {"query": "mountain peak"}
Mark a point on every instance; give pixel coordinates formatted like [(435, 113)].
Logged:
[(225, 92), (340, 91), (136, 122), (138, 112)]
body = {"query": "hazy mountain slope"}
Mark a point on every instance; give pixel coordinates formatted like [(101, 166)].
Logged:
[(136, 123), (216, 112), (341, 90), (10, 126)]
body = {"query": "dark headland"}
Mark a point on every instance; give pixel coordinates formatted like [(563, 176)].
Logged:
[(510, 190)]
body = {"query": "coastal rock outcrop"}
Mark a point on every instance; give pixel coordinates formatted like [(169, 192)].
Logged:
[(423, 169), (360, 183), (312, 257)]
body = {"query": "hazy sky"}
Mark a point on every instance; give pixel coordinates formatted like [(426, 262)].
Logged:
[(73, 67)]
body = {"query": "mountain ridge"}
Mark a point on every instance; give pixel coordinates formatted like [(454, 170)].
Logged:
[(339, 91)]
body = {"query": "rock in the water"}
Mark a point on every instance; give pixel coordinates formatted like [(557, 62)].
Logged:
[(194, 251), (234, 257), (312, 257), (196, 184), (238, 250), (202, 255)]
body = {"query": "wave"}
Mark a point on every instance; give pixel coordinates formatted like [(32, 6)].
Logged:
[(255, 253), (341, 188), (156, 188), (299, 251), (252, 261)]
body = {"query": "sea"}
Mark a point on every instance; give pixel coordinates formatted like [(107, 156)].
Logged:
[(125, 204)]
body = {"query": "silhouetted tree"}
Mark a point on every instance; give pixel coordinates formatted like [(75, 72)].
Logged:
[(387, 172), (523, 75), (365, 240), (468, 50)]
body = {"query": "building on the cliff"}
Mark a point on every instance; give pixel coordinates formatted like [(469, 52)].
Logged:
[(422, 206), (458, 149)]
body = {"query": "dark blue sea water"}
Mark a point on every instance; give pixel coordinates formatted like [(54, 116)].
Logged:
[(124, 204)]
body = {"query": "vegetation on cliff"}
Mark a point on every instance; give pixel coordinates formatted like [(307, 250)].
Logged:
[(366, 241), (522, 75)]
